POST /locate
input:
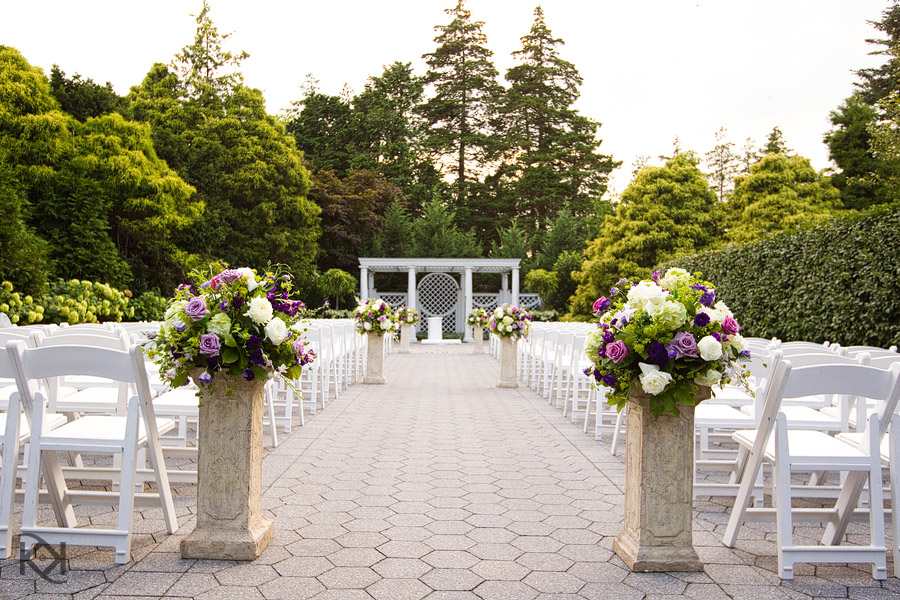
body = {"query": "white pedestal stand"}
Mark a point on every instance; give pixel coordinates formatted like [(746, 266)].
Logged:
[(507, 363)]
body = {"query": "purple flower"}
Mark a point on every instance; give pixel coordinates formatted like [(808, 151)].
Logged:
[(210, 344), (601, 304), (613, 291), (204, 377), (151, 335), (597, 376), (326, 305), (601, 352), (249, 375), (229, 276), (708, 297), (657, 354), (609, 380), (223, 305), (212, 363), (237, 302), (701, 320), (670, 350), (179, 326), (256, 357), (730, 326), (717, 335), (196, 309), (685, 344), (252, 341), (745, 353), (587, 372), (617, 351), (609, 337)]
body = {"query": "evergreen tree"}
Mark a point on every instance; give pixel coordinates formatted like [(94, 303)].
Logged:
[(437, 234), (665, 212), (723, 165), (555, 150), (781, 192), (324, 130), (82, 98), (396, 238), (775, 143), (460, 116), (878, 83), (566, 234)]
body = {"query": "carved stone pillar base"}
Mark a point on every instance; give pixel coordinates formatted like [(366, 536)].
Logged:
[(230, 524), (405, 335), (478, 336), (507, 363), (659, 488), (374, 360)]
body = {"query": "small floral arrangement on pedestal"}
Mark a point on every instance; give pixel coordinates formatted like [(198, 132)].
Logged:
[(478, 318), (236, 324), (375, 316), (510, 321), (408, 316), (668, 335)]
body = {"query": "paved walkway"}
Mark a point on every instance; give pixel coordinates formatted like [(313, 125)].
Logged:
[(439, 485)]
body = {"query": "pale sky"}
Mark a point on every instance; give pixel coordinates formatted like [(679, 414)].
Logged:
[(652, 69)]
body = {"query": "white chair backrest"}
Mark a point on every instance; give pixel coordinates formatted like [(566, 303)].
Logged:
[(884, 362), (116, 341)]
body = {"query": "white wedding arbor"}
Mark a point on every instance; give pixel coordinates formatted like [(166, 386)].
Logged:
[(442, 287)]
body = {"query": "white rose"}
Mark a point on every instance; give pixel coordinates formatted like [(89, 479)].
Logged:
[(251, 278), (410, 319), (367, 326), (260, 310), (277, 331), (738, 342), (498, 313), (644, 293), (714, 315), (710, 378), (652, 379), (710, 348)]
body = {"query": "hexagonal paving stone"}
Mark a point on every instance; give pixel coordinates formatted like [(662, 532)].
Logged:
[(500, 570), (449, 542), (401, 549), (303, 566), (536, 543), (450, 559), (506, 590), (291, 588), (401, 568), (553, 583), (491, 551), (355, 557), (451, 579), (348, 578), (246, 574), (544, 561), (361, 539), (399, 589)]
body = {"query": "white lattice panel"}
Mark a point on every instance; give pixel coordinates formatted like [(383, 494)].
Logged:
[(486, 301), (394, 299), (529, 301), (438, 296)]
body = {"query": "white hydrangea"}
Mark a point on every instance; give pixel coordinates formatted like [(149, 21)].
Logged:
[(675, 278), (668, 314)]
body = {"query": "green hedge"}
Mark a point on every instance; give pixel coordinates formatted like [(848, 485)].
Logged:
[(839, 282)]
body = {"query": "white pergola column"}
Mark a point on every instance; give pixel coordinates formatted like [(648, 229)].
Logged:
[(411, 289), (515, 286), (504, 288), (363, 284), (468, 281)]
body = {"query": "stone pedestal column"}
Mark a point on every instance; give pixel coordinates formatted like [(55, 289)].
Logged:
[(405, 335), (659, 488), (478, 336), (230, 524), (374, 359), (507, 363)]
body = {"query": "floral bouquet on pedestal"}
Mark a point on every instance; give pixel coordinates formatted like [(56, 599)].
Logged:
[(234, 324), (408, 316), (669, 336), (510, 321), (478, 318), (375, 316)]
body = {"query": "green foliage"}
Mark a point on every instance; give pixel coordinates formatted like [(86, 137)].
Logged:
[(839, 282), (781, 192), (566, 264), (566, 234), (395, 239), (82, 98), (513, 243), (149, 306), (543, 283), (337, 284), (878, 82), (665, 212), (775, 143), (863, 180), (20, 308), (81, 301), (724, 164), (437, 235), (460, 116), (323, 129), (544, 315)]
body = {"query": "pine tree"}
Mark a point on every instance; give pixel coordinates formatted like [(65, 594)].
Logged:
[(775, 143), (460, 116), (554, 149), (723, 165), (877, 83)]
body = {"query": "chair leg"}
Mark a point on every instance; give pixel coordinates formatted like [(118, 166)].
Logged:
[(895, 496), (615, 439), (10, 448), (784, 526), (876, 500), (126, 494)]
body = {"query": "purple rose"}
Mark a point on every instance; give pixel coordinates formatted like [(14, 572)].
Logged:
[(617, 351), (204, 377), (196, 309), (609, 380), (708, 297), (210, 344), (249, 375), (730, 326), (685, 344), (229, 276), (657, 354), (701, 320), (601, 304)]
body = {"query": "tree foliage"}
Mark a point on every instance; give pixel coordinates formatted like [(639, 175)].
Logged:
[(82, 98), (781, 192), (723, 164)]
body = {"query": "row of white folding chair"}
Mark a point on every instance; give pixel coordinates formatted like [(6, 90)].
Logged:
[(791, 450), (118, 435)]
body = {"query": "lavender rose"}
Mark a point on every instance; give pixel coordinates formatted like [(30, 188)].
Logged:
[(617, 351), (210, 344), (229, 276), (685, 345), (730, 326), (196, 309)]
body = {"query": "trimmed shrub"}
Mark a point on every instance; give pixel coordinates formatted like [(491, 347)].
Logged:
[(838, 282), (81, 301), (149, 306), (21, 309)]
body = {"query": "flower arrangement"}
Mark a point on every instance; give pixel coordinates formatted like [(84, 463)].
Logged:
[(236, 324), (408, 316), (375, 316), (668, 335), (510, 321), (478, 318)]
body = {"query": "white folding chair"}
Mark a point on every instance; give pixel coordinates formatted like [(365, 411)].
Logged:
[(813, 451), (122, 435)]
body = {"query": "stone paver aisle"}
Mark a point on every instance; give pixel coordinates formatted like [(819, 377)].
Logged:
[(439, 485)]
